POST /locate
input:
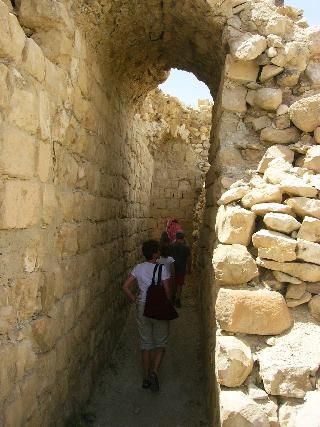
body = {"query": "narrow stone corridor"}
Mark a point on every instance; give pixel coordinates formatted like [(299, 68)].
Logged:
[(119, 400)]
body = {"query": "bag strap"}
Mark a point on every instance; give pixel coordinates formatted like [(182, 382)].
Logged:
[(154, 274), (159, 274)]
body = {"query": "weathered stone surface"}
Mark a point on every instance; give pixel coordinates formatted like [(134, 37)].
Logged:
[(312, 159), (274, 152), (233, 361), (313, 288), (261, 122), (234, 99), (269, 193), (296, 302), (310, 229), (310, 410), (308, 251), (233, 264), (314, 307), (289, 77), (281, 222), (296, 291), (316, 135), (252, 312), (264, 208), (242, 71), (305, 113), (232, 195), (305, 272), (234, 225), (268, 99), (238, 410), (313, 72), (269, 71), (274, 245), (33, 60), (248, 46), (280, 136), (314, 40), (304, 206), (285, 278)]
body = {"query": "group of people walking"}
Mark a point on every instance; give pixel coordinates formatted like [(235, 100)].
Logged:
[(173, 255)]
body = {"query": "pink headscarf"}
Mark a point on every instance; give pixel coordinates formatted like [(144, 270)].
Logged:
[(172, 228)]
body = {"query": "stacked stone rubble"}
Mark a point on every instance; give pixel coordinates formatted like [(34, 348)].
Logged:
[(266, 260)]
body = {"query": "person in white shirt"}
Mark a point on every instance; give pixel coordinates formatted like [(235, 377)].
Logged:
[(153, 333)]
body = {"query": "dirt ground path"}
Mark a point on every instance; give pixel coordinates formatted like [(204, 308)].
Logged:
[(119, 400)]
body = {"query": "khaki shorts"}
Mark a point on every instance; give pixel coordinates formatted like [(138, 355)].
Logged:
[(153, 333)]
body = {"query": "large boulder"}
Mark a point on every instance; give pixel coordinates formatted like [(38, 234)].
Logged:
[(314, 307), (268, 193), (304, 271), (310, 229), (252, 312), (233, 264), (233, 195), (268, 99), (234, 225), (305, 113), (247, 46), (233, 361), (303, 206), (238, 410), (264, 208), (308, 251), (274, 245), (296, 291), (275, 152), (281, 222), (280, 136)]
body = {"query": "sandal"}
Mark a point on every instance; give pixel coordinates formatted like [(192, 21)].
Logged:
[(154, 382)]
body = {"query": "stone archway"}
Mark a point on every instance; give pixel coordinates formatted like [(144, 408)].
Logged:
[(73, 78)]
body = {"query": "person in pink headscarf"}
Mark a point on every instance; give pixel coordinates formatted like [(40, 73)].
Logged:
[(173, 227)]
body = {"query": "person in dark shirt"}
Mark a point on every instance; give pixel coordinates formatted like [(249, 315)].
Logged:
[(181, 254)]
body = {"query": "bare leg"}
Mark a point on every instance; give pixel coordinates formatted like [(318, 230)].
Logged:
[(158, 354), (146, 362)]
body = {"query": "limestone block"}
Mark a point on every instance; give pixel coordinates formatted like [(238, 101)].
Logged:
[(316, 135), (305, 113), (312, 159), (232, 195), (66, 240), (24, 110), (310, 229), (242, 71), (264, 208), (274, 245), (233, 361), (314, 307), (274, 152), (282, 380), (308, 251), (280, 136), (33, 60), (57, 46), (269, 71), (20, 206), (268, 99), (310, 410), (278, 25), (282, 122), (313, 288), (45, 332), (5, 35), (4, 89), (234, 225), (12, 37), (296, 302), (261, 123), (247, 46), (26, 296), (283, 223), (234, 99), (17, 152), (303, 206), (257, 312), (305, 272), (296, 291), (282, 109), (49, 204), (233, 264), (289, 77), (44, 116), (45, 161), (314, 40), (238, 410), (313, 72), (269, 193), (285, 278), (295, 186)]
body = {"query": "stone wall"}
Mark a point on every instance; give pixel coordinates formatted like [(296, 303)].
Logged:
[(77, 165)]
